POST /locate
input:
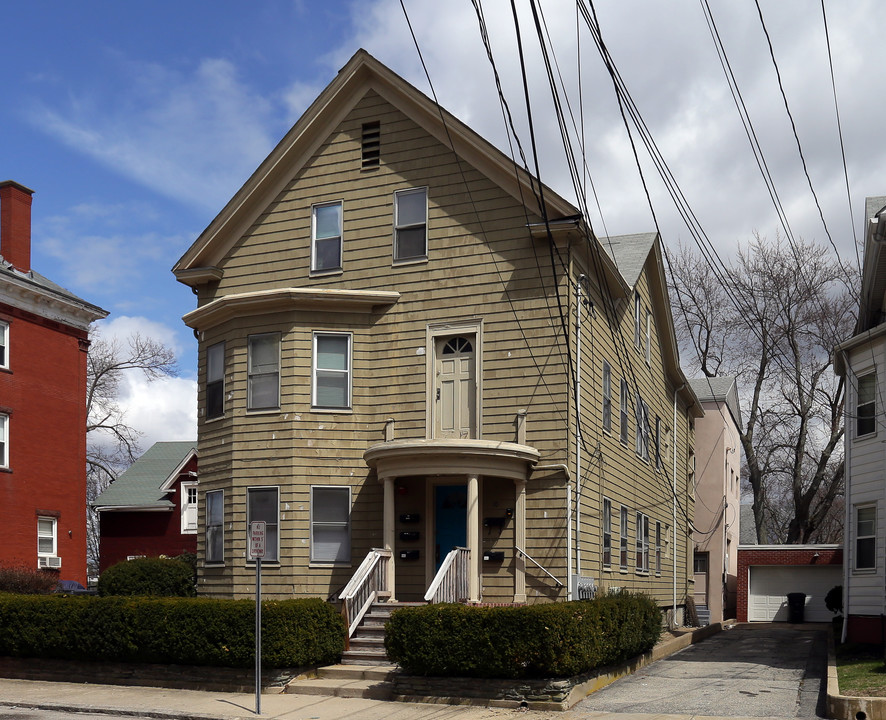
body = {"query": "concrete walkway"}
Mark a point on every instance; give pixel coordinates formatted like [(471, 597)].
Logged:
[(759, 670)]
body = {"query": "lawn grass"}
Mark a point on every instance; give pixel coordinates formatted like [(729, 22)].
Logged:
[(861, 670)]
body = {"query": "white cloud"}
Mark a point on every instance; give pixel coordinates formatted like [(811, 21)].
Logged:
[(122, 327), (162, 410)]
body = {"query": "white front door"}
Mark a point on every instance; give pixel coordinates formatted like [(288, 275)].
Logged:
[(455, 411)]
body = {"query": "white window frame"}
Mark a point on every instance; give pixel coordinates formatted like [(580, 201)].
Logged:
[(317, 524), (658, 547), (215, 379), (868, 538), (607, 532), (638, 314), (265, 372), (642, 545), (272, 524), (4, 441), (607, 397), (658, 462), (648, 337), (642, 440), (624, 418), (4, 345), (398, 258), (188, 507), (866, 420), (315, 269), (317, 372), (53, 535), (623, 549), (215, 526)]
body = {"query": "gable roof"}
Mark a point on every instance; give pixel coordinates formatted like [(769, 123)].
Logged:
[(719, 389), (362, 74), (630, 252), (147, 483)]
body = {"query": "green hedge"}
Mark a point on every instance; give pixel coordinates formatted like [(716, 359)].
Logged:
[(159, 577), (547, 640), (189, 631)]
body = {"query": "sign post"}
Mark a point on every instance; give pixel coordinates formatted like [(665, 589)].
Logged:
[(257, 552)]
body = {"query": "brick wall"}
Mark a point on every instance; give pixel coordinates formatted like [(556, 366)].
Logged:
[(779, 555)]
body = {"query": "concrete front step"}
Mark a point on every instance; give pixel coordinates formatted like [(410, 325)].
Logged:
[(351, 681)]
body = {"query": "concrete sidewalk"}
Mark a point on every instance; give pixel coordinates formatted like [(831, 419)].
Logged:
[(146, 702)]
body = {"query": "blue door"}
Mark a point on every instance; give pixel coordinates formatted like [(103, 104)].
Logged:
[(451, 516)]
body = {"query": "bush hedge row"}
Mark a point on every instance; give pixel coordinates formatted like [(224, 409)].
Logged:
[(158, 577), (547, 640), (188, 631)]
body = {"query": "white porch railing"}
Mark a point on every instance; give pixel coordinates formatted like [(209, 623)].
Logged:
[(451, 581), (369, 583)]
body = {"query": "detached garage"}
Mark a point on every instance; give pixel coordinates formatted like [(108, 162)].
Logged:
[(767, 573)]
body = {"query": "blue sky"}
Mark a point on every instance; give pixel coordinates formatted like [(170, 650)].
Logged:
[(134, 123)]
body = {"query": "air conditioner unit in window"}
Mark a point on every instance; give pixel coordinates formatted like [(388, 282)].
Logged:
[(49, 562)]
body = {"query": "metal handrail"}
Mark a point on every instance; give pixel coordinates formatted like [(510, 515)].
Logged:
[(368, 583), (450, 584), (535, 562)]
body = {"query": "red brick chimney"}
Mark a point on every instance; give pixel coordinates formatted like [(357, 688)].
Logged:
[(15, 224)]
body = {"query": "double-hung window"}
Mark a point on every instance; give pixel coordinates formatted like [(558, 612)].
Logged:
[(623, 538), (642, 543), (215, 380), (215, 526), (263, 503), (46, 536), (638, 315), (4, 441), (4, 344), (330, 524), (866, 405), (607, 532), (658, 462), (607, 397), (623, 409), (658, 547), (642, 429), (263, 382), (648, 337), (326, 237), (411, 224), (332, 370), (188, 508), (865, 537)]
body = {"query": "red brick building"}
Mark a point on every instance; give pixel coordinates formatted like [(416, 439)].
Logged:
[(44, 337), (151, 509)]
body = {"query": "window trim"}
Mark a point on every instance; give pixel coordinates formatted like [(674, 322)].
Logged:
[(648, 337), (268, 558), (250, 374), (658, 547), (348, 371), (4, 441), (210, 502), (4, 345), (642, 543), (215, 385), (53, 535), (624, 415), (348, 525), (341, 221), (624, 550), (638, 314), (643, 429), (397, 259), (872, 538), (184, 489), (606, 528), (607, 397), (870, 417)]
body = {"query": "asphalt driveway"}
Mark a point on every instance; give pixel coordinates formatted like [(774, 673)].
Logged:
[(752, 670)]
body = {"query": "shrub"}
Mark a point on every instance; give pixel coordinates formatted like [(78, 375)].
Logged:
[(187, 631), (27, 581), (549, 640), (159, 577), (833, 601)]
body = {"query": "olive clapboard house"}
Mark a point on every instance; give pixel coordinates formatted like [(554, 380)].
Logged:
[(391, 340)]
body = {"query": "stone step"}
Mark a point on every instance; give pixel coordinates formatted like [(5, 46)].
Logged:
[(365, 657), (338, 687), (357, 672)]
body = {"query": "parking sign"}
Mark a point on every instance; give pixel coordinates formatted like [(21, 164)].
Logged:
[(257, 539)]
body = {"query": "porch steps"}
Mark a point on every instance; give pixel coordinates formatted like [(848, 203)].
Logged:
[(347, 681), (367, 645), (704, 615)]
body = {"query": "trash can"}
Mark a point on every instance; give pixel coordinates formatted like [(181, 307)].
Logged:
[(796, 607)]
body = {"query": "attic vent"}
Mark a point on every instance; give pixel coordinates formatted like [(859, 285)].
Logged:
[(371, 144)]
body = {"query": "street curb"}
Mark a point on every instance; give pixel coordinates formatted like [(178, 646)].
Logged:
[(115, 711), (848, 707)]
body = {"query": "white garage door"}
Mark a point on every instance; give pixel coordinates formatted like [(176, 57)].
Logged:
[(769, 585)]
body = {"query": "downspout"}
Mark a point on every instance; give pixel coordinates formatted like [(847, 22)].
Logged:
[(578, 425), (848, 556), (572, 423), (674, 500)]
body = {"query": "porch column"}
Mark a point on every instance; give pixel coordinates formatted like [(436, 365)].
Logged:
[(520, 541), (389, 531), (474, 548)]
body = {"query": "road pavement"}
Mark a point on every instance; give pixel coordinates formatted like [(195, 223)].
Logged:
[(759, 670)]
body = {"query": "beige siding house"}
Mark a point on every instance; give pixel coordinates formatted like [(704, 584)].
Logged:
[(404, 352)]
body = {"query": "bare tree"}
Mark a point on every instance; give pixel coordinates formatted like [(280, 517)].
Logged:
[(111, 443), (772, 320)]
